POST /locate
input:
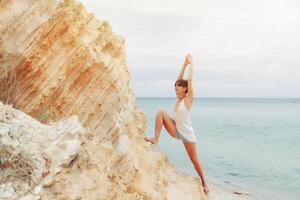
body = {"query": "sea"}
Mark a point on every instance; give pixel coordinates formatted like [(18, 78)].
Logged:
[(250, 143)]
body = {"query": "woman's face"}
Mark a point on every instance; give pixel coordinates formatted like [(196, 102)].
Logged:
[(179, 89)]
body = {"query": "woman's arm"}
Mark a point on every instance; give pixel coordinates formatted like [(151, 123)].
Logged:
[(190, 75), (180, 76), (190, 94), (184, 65)]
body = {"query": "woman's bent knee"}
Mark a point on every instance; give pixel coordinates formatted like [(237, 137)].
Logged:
[(160, 111)]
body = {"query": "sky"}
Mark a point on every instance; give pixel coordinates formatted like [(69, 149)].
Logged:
[(248, 48)]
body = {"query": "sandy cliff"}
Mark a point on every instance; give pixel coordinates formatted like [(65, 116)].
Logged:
[(73, 130)]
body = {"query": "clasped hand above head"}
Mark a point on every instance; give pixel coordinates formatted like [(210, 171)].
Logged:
[(188, 59)]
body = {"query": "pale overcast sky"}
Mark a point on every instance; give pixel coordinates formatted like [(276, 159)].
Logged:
[(248, 48)]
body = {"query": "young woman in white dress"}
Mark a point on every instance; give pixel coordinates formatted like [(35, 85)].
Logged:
[(180, 126)]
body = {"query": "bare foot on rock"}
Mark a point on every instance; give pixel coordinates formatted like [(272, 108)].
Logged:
[(152, 140)]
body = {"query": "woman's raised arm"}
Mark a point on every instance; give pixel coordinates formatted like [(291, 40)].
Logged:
[(189, 79), (181, 72)]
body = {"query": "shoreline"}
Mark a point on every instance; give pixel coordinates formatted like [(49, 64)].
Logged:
[(185, 186), (225, 192), (223, 189)]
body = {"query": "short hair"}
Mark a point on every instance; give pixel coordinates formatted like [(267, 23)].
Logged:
[(183, 83)]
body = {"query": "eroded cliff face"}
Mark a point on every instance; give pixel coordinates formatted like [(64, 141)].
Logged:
[(60, 60), (73, 130)]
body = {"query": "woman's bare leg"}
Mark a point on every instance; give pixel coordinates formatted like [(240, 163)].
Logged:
[(192, 153), (162, 118)]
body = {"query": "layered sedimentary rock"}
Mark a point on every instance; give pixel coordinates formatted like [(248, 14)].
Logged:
[(62, 61), (73, 130)]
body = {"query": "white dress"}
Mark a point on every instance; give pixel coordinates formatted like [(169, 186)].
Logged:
[(182, 118)]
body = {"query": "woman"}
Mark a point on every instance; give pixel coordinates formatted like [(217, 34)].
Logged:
[(179, 126)]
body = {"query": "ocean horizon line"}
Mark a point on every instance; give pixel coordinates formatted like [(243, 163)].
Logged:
[(225, 97)]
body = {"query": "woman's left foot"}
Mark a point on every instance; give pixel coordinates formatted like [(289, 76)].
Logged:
[(152, 140)]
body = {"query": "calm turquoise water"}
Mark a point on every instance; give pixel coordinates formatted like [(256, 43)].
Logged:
[(252, 143)]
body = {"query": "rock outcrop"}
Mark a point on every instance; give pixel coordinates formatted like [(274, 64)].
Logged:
[(33, 153), (73, 130)]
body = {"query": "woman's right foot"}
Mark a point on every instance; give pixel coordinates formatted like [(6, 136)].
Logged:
[(152, 140)]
